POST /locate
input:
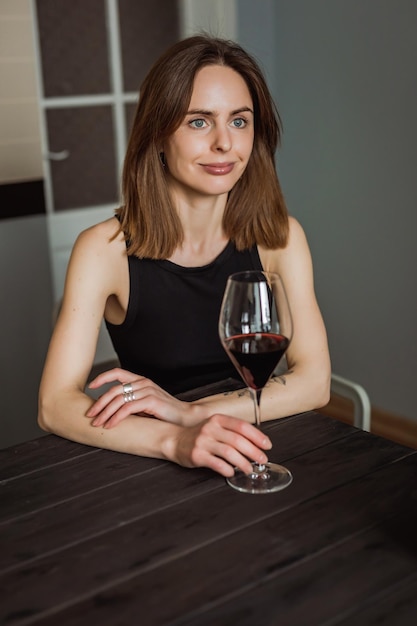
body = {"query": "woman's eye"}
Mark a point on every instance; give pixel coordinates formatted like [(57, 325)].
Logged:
[(239, 122), (200, 123)]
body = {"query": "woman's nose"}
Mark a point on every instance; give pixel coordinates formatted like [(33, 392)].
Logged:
[(222, 141)]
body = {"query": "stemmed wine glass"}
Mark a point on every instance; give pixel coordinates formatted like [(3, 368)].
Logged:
[(255, 329)]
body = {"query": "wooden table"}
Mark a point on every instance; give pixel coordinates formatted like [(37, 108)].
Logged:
[(97, 537)]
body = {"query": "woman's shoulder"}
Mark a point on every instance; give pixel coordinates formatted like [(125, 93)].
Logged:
[(293, 262), (102, 236), (296, 242), (101, 248), (102, 231), (296, 231)]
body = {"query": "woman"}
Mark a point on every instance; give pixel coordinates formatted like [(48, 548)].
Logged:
[(201, 200)]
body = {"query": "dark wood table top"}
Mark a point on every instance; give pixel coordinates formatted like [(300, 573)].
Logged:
[(90, 536)]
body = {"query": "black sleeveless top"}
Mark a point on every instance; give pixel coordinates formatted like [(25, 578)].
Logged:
[(170, 333)]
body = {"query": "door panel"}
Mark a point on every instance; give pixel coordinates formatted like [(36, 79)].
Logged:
[(146, 30), (87, 175), (73, 47)]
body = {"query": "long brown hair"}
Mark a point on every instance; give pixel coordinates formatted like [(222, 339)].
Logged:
[(255, 211)]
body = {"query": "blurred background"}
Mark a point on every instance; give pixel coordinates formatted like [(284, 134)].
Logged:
[(344, 79)]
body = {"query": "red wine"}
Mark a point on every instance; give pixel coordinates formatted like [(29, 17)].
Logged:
[(256, 355)]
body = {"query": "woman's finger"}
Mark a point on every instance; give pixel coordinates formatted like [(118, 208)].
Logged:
[(111, 409), (116, 390), (237, 427), (217, 464), (236, 459), (236, 450), (233, 449), (219, 444), (103, 401), (151, 402), (112, 376)]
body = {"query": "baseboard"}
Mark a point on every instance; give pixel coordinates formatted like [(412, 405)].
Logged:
[(383, 423)]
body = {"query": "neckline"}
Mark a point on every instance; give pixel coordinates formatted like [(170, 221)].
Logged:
[(181, 269)]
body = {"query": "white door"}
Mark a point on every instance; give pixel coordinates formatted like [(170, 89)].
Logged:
[(91, 57)]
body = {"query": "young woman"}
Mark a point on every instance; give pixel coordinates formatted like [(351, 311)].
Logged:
[(201, 200)]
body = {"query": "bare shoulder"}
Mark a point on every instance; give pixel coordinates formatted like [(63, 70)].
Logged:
[(297, 236), (296, 249), (98, 256), (100, 243), (101, 236)]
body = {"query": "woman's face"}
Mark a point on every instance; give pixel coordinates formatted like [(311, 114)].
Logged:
[(209, 152)]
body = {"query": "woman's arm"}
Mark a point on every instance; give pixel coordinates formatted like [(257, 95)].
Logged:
[(304, 387), (89, 283), (95, 270)]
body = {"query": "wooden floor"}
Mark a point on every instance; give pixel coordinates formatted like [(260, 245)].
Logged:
[(384, 424)]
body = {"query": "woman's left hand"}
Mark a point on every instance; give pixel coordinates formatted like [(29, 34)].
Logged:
[(144, 397)]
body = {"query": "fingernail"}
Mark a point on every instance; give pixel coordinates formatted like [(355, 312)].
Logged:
[(267, 444)]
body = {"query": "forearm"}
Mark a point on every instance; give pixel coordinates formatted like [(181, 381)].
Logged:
[(219, 443), (299, 389), (66, 416)]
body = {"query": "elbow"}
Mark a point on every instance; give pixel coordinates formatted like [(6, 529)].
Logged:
[(323, 399), (322, 391), (318, 388), (42, 423), (45, 421)]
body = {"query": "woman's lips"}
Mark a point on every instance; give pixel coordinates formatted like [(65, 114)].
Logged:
[(217, 169)]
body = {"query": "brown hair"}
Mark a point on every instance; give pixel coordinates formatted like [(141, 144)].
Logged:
[(255, 211)]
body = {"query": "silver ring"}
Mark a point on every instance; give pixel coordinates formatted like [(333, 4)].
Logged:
[(129, 397), (127, 388)]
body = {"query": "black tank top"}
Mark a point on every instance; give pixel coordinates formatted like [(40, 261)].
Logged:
[(170, 333)]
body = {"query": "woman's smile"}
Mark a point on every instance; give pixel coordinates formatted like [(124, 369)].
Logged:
[(218, 169)]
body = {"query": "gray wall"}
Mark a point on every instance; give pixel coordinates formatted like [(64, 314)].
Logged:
[(345, 81), (25, 327)]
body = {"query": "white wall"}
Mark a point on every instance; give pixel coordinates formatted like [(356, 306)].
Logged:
[(345, 84), (20, 141)]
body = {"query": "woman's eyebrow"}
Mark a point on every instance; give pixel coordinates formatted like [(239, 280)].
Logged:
[(242, 110), (215, 113)]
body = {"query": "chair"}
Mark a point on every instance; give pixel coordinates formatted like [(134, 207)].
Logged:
[(356, 393)]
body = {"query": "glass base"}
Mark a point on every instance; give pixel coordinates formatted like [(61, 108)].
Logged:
[(263, 479)]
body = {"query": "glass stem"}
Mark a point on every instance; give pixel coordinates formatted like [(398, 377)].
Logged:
[(256, 397)]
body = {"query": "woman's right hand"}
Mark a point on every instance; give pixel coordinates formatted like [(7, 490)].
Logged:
[(221, 443)]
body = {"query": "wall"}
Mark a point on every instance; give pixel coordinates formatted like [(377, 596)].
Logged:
[(256, 32), (346, 88), (343, 77), (25, 324), (24, 264), (20, 144)]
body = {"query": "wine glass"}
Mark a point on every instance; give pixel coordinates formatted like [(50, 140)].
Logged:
[(255, 329)]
